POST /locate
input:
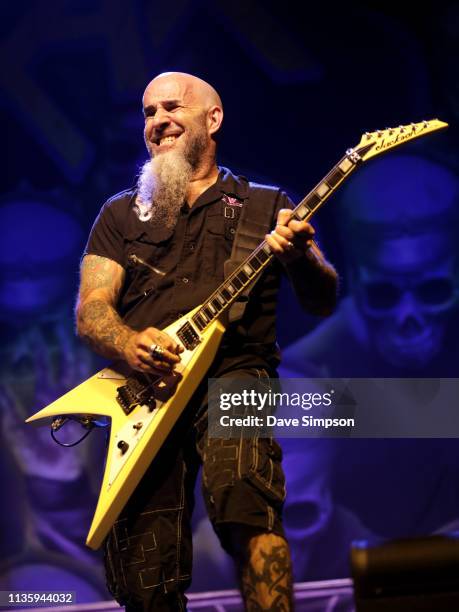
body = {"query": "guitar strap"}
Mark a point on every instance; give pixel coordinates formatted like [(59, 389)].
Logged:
[(255, 222)]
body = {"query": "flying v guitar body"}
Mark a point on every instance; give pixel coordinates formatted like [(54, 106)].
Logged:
[(136, 436)]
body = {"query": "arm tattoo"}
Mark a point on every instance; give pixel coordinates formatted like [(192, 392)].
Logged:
[(101, 327), (96, 273), (98, 322), (268, 585)]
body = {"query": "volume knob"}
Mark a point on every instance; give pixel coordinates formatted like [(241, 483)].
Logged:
[(123, 446)]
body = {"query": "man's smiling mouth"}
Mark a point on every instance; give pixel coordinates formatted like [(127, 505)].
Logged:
[(166, 140)]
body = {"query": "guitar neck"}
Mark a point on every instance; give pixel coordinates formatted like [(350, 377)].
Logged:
[(371, 144), (252, 267)]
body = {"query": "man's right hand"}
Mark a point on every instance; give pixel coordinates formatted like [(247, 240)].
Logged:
[(138, 351)]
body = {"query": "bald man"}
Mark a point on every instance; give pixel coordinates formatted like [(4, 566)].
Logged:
[(155, 253)]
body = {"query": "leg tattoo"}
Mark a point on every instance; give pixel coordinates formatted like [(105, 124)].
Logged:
[(266, 575)]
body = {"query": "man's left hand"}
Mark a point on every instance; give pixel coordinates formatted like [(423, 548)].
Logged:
[(290, 239)]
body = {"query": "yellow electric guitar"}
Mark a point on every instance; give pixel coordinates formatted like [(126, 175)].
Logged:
[(143, 409)]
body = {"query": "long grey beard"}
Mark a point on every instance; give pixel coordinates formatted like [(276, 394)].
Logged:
[(162, 187)]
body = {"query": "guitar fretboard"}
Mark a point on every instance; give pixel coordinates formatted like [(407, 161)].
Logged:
[(251, 268)]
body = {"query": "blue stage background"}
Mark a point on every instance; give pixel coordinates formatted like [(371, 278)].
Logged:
[(300, 84)]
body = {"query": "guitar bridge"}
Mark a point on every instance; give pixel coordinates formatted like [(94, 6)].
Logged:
[(188, 336), (135, 393)]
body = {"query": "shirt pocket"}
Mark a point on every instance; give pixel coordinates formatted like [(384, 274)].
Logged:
[(145, 263)]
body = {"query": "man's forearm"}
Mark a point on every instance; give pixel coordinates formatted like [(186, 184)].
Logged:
[(101, 327), (315, 282)]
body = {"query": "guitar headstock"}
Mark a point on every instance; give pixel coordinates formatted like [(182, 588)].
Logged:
[(375, 143)]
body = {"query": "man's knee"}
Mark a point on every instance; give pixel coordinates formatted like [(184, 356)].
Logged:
[(147, 564), (145, 586), (243, 483)]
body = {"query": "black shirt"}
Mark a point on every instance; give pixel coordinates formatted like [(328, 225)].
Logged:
[(170, 272)]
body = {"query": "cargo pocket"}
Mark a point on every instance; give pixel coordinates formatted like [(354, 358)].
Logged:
[(265, 470)]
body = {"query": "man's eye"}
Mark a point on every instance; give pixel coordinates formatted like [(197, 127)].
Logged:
[(149, 112)]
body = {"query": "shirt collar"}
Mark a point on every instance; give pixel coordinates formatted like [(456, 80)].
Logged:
[(227, 183), (232, 185)]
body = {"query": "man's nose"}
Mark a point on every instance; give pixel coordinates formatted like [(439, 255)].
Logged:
[(161, 119)]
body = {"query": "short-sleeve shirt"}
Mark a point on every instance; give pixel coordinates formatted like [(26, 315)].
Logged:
[(170, 272)]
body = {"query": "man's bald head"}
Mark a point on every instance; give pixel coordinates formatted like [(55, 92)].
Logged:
[(184, 107), (189, 85)]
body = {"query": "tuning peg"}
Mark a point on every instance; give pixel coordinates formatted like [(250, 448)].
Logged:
[(368, 135), (425, 123), (413, 127), (401, 128), (379, 132), (390, 130)]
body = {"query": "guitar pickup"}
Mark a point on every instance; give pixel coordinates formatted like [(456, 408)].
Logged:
[(134, 393), (188, 336)]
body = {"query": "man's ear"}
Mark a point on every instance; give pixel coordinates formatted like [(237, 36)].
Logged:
[(214, 119)]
